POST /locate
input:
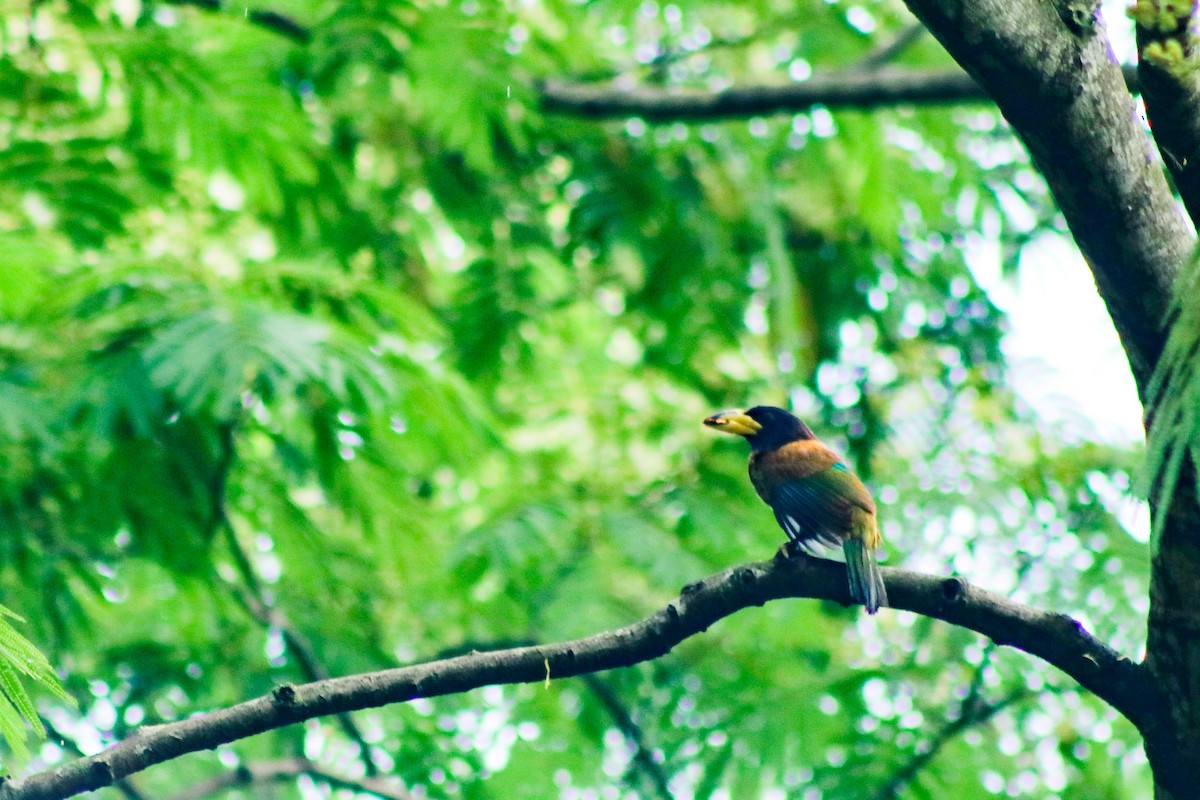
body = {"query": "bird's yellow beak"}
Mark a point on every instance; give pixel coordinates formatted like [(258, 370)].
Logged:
[(735, 422)]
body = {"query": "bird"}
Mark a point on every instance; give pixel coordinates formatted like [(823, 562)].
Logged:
[(815, 496)]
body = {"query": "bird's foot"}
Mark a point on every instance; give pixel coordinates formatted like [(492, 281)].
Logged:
[(788, 550)]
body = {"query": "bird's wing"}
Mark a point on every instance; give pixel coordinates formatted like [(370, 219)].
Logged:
[(813, 508), (813, 505)]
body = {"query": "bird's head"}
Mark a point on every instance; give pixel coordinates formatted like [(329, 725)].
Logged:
[(765, 427)]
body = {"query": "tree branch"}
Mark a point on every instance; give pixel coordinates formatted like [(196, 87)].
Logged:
[(1166, 66), (125, 786), (1057, 639), (297, 645), (254, 599), (977, 713), (854, 89), (272, 21), (288, 769), (881, 55), (643, 758)]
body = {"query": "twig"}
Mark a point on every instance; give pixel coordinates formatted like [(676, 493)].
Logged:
[(970, 717), (253, 598), (288, 769), (884, 53), (125, 786), (273, 21), (643, 757)]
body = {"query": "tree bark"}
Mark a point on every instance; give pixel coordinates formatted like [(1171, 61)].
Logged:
[(862, 88), (1055, 638), (1171, 90), (1173, 648), (857, 89), (1049, 67)]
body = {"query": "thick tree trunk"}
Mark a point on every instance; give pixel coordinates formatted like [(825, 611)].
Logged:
[(1173, 648), (1050, 69)]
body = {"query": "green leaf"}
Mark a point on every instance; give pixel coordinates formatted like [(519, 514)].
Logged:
[(19, 657), (1174, 398)]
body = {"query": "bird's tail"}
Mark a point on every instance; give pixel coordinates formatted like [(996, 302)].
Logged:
[(866, 584)]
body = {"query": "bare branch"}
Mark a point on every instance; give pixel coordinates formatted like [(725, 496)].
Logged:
[(972, 715), (272, 21), (288, 769), (125, 786), (643, 758), (883, 54), (856, 89), (254, 599), (1056, 638), (839, 90), (297, 645)]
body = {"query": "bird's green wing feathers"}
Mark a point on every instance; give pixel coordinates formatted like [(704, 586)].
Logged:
[(817, 507)]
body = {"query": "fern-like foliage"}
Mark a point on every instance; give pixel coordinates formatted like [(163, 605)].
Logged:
[(1174, 398), (21, 662), (353, 324), (209, 357)]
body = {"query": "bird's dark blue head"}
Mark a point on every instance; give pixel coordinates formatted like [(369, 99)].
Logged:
[(765, 427)]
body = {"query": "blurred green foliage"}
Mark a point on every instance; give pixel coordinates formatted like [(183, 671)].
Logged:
[(1175, 399), (323, 345)]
